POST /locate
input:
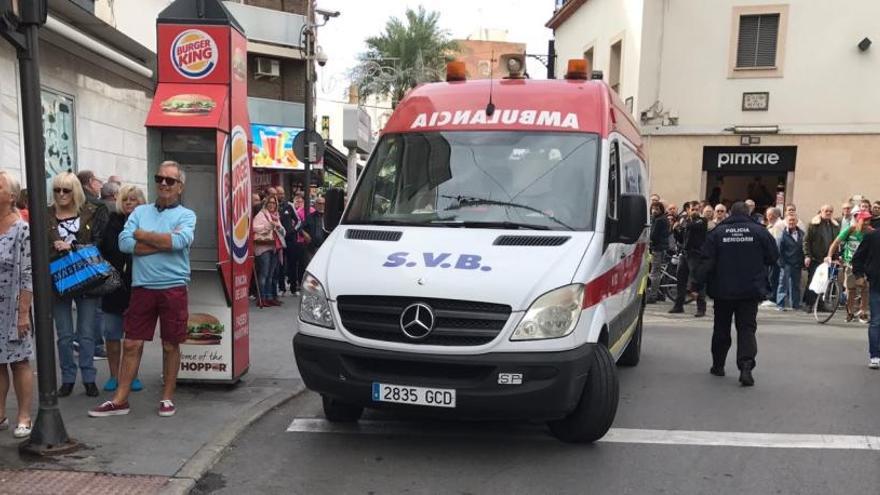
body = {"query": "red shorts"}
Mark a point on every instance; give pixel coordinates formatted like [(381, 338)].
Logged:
[(169, 306)]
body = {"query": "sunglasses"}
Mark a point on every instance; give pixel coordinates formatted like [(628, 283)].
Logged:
[(168, 181), (62, 190)]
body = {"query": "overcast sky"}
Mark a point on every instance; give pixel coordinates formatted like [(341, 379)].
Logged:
[(343, 37)]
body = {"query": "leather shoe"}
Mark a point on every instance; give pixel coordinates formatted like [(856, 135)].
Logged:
[(699, 314), (65, 390), (676, 310), (91, 389), (745, 378), (717, 370)]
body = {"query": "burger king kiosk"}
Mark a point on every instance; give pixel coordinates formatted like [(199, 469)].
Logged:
[(199, 118)]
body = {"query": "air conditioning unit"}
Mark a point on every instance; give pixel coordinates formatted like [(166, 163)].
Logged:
[(267, 67)]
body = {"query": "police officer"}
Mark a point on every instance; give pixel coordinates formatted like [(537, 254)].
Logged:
[(734, 263)]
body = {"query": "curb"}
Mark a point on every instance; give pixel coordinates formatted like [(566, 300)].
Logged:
[(204, 459)]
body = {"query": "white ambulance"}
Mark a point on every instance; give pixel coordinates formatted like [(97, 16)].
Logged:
[(491, 262)]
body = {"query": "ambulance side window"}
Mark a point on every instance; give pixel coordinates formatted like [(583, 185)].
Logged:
[(386, 179)]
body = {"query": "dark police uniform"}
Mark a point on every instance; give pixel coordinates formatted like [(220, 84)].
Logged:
[(734, 263)]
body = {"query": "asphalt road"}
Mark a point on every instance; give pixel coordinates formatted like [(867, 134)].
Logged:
[(811, 380)]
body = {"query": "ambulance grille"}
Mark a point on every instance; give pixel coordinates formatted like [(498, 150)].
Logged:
[(530, 240), (373, 235), (456, 323)]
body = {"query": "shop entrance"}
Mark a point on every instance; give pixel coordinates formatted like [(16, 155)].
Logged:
[(764, 174), (728, 188)]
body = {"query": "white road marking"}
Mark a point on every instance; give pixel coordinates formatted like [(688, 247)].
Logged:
[(615, 435)]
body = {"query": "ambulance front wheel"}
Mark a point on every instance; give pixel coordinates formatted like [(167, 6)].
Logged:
[(597, 407), (337, 411)]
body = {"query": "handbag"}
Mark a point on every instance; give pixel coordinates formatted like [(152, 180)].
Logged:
[(111, 284), (821, 279), (78, 271)]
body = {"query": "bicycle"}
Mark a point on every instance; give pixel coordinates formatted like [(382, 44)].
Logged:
[(668, 280), (832, 297), (829, 300)]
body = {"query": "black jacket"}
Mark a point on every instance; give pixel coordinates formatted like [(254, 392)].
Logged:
[(116, 302), (791, 251), (692, 234), (660, 233), (289, 220), (866, 260), (735, 258), (314, 225)]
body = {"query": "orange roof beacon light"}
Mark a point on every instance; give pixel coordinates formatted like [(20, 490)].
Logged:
[(577, 69), (455, 71)]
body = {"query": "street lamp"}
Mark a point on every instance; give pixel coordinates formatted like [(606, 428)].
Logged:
[(19, 25)]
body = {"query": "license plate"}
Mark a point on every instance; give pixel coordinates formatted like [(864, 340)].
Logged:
[(419, 396)]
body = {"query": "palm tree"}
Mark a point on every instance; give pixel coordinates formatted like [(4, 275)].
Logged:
[(410, 52)]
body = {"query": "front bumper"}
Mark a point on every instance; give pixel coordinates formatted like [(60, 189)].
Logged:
[(552, 382)]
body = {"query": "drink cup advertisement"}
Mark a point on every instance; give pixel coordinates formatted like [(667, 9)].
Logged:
[(273, 148)]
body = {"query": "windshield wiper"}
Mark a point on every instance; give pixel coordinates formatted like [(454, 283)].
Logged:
[(473, 201), (488, 224)]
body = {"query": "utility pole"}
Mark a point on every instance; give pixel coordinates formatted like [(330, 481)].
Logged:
[(20, 22), (309, 125)]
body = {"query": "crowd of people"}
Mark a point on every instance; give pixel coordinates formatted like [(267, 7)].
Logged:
[(147, 245), (803, 243), (284, 242)]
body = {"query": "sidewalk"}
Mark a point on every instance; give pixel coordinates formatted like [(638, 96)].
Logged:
[(142, 443)]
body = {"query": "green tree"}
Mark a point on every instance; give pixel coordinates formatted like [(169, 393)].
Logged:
[(409, 52)]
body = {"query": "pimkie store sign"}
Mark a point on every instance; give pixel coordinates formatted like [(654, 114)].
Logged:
[(749, 159)]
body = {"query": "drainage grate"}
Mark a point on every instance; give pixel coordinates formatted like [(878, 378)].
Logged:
[(41, 482)]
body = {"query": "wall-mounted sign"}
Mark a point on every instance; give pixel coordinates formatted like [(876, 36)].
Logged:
[(273, 148), (750, 159), (756, 102), (357, 131), (59, 131)]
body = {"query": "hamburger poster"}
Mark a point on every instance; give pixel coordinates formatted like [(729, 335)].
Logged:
[(206, 354)]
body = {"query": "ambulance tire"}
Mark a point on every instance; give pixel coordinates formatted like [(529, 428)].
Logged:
[(633, 351), (337, 411), (595, 412)]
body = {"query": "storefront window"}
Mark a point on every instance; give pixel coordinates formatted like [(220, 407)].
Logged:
[(59, 129)]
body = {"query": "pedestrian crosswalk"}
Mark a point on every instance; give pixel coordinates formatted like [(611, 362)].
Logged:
[(615, 435)]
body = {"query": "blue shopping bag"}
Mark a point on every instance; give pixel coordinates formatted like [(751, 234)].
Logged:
[(78, 271)]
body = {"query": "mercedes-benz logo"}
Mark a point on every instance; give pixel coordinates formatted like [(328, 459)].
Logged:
[(417, 321)]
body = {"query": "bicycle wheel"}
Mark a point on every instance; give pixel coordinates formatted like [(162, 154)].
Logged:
[(669, 286), (827, 303)]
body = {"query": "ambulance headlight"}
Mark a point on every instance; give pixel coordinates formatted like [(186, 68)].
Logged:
[(553, 315), (314, 307)]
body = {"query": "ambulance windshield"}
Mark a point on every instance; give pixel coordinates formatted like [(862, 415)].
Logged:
[(480, 179)]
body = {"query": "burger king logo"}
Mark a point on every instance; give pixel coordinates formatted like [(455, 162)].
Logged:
[(194, 54), (224, 195), (241, 194)]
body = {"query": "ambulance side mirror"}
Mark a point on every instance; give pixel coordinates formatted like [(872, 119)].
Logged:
[(334, 206), (632, 217)]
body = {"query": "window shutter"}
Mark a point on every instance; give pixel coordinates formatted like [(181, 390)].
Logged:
[(756, 46)]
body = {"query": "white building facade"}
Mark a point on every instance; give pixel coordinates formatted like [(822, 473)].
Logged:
[(742, 98), (96, 88)]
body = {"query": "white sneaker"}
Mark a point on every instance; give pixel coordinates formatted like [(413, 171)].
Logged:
[(768, 304), (874, 364), (22, 431)]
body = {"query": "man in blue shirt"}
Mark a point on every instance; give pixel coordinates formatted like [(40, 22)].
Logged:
[(158, 236)]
